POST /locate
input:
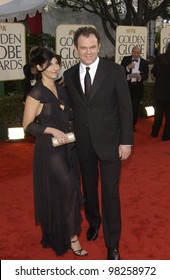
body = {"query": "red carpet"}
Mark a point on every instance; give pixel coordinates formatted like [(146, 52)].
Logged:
[(145, 197)]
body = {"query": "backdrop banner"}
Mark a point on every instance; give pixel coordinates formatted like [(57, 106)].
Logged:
[(127, 37), (164, 38), (12, 51)]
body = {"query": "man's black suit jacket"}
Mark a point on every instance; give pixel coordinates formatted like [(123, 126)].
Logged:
[(143, 67), (161, 71), (107, 116)]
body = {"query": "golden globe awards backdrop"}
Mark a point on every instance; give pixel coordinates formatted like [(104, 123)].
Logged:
[(12, 51), (164, 38), (127, 37), (65, 44)]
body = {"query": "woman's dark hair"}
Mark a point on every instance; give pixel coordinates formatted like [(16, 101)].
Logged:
[(43, 55), (86, 32)]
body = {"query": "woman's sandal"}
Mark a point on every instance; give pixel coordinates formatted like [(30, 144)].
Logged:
[(80, 252)]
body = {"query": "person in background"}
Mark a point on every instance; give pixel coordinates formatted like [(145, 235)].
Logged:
[(161, 75), (31, 75), (137, 70), (57, 195), (104, 133)]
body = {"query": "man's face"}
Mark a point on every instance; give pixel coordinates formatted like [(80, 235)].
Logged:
[(135, 52), (88, 49)]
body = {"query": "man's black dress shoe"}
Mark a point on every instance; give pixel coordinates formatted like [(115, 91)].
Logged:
[(154, 135), (92, 233), (113, 254)]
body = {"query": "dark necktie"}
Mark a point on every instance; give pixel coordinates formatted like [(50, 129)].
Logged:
[(87, 83), (134, 60)]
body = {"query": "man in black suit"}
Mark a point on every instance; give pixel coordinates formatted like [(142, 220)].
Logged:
[(161, 74), (137, 70), (104, 133)]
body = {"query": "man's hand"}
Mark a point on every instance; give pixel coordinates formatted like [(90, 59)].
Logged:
[(124, 151), (131, 66)]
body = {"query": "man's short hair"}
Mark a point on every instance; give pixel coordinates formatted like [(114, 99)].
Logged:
[(86, 32)]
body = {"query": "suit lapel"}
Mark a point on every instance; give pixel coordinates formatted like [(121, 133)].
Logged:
[(141, 65), (100, 75), (76, 82), (98, 79)]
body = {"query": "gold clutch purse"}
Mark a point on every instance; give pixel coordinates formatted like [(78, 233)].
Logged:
[(71, 138)]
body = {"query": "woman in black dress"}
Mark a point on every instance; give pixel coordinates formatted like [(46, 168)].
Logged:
[(57, 195)]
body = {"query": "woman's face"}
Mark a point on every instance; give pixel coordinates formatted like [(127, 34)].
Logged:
[(52, 71)]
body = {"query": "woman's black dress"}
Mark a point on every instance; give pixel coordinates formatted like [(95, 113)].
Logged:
[(57, 195)]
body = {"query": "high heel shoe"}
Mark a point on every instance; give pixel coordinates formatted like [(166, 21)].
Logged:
[(78, 252)]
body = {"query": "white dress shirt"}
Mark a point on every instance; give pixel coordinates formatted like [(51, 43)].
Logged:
[(135, 69), (92, 71)]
